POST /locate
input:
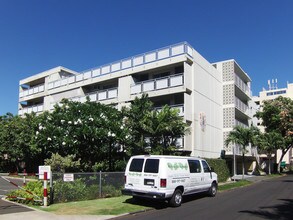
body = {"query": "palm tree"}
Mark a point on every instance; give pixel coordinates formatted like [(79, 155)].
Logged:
[(269, 143), (242, 136)]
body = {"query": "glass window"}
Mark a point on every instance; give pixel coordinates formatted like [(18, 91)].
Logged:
[(206, 167), (136, 165), (152, 166), (194, 166)]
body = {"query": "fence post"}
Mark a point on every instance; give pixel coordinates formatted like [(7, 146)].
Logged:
[(51, 189), (45, 190), (100, 185)]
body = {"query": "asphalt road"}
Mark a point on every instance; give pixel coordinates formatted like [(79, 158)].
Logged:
[(269, 199), (5, 186), (8, 207)]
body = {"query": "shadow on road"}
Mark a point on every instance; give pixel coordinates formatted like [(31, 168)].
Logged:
[(161, 204), (281, 211)]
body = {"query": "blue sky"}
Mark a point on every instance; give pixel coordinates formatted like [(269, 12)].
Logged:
[(80, 34)]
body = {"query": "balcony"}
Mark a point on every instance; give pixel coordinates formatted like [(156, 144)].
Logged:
[(242, 85), (32, 90), (179, 107), (94, 97), (103, 95), (28, 110), (238, 123), (157, 84), (142, 59), (241, 106)]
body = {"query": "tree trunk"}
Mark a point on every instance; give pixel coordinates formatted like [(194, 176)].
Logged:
[(270, 164), (243, 166), (281, 158)]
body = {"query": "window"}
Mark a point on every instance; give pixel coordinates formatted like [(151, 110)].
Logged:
[(194, 166), (136, 165), (152, 166), (206, 167), (179, 69)]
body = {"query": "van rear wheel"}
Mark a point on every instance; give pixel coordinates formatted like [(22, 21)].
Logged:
[(176, 199)]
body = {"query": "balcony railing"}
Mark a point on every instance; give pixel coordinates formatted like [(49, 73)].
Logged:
[(32, 90), (35, 108), (242, 85), (95, 96), (179, 107), (241, 105), (149, 57), (240, 124), (103, 95), (157, 84)]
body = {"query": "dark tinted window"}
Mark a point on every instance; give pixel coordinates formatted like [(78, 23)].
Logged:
[(206, 167), (194, 166), (136, 165), (151, 166)]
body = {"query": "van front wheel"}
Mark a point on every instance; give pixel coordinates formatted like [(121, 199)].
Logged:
[(213, 190), (176, 199)]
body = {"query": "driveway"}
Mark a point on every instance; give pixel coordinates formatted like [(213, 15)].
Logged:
[(268, 199)]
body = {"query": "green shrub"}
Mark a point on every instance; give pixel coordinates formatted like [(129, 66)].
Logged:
[(220, 168), (69, 191), (110, 191)]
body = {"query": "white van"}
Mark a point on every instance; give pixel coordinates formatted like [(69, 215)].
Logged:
[(168, 177)]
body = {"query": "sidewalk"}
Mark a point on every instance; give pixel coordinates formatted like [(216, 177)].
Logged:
[(251, 178), (35, 214)]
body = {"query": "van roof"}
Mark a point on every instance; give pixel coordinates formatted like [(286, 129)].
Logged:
[(165, 156)]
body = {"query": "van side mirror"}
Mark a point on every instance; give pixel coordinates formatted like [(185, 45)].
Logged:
[(212, 169)]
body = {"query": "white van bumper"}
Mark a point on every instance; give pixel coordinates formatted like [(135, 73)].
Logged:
[(151, 195)]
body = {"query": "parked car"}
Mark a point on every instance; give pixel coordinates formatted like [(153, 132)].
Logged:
[(168, 177)]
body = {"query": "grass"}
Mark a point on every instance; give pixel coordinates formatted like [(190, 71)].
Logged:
[(108, 206), (233, 185)]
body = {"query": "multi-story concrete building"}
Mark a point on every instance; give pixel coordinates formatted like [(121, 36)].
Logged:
[(237, 108), (176, 75), (271, 93)]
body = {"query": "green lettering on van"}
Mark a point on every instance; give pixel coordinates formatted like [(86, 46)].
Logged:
[(176, 166), (170, 166), (134, 174)]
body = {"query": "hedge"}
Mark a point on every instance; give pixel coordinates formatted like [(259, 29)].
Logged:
[(221, 168)]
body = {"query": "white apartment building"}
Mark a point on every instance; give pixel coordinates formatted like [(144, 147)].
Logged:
[(237, 109), (271, 93), (176, 75)]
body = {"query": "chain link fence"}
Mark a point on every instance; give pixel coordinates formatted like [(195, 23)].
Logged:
[(85, 186)]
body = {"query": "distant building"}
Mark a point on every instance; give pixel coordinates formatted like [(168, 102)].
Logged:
[(271, 93), (176, 75)]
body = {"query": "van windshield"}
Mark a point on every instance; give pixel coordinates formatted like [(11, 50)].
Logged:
[(136, 165), (152, 166)]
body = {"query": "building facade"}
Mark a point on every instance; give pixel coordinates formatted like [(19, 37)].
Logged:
[(238, 109), (269, 94), (236, 101), (176, 75)]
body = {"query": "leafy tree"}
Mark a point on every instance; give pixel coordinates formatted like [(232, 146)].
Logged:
[(91, 131), (16, 135), (63, 164), (243, 137), (277, 116)]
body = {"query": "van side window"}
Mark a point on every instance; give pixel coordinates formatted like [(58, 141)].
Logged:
[(136, 165), (206, 167), (152, 166), (194, 166)]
